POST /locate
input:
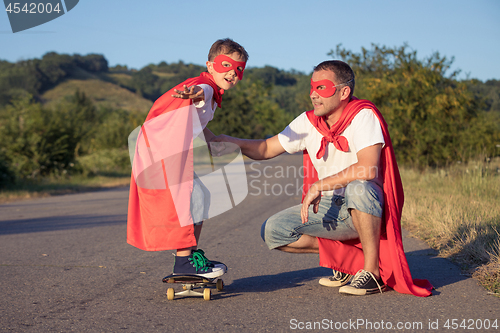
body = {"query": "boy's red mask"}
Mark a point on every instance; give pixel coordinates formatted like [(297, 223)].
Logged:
[(328, 91), (219, 68)]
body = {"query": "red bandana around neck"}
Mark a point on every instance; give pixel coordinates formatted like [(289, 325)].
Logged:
[(332, 134)]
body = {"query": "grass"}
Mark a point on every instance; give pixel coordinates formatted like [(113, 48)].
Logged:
[(58, 186), (456, 211)]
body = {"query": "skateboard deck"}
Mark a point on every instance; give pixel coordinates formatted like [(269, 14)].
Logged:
[(192, 282)]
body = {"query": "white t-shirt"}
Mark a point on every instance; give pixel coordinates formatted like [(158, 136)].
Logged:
[(204, 109), (300, 134)]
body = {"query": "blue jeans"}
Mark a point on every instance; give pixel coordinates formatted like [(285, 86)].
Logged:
[(333, 220)]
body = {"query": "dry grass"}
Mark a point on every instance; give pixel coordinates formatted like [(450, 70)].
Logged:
[(52, 186), (456, 211)]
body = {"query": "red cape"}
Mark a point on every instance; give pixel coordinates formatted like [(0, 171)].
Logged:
[(347, 256), (162, 172)]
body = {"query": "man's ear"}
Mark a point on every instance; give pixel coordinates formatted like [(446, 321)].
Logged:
[(345, 92)]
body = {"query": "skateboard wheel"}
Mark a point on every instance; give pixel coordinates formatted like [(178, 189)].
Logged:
[(219, 284), (170, 294), (206, 294)]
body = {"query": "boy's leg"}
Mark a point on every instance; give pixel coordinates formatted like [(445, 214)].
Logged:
[(187, 251), (193, 261)]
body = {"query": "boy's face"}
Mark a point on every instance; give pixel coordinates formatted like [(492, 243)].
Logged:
[(226, 80)]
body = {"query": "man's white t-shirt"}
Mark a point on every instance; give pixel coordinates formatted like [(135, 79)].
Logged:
[(300, 134)]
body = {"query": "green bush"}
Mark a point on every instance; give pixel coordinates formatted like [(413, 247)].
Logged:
[(109, 162)]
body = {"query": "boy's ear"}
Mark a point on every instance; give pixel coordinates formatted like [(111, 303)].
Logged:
[(210, 67)]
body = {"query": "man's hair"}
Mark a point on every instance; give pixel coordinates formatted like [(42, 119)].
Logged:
[(226, 46), (343, 72)]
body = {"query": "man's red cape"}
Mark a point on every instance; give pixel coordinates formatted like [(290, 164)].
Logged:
[(347, 256), (164, 147)]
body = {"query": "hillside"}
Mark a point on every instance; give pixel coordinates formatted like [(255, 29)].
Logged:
[(101, 93)]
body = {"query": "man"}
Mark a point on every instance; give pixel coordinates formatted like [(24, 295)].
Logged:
[(344, 213)]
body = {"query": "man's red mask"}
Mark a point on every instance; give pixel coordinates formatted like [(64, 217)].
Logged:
[(328, 91), (219, 68)]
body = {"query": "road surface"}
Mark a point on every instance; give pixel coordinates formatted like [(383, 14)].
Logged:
[(65, 266)]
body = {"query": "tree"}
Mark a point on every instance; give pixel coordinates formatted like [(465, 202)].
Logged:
[(37, 141), (249, 111), (433, 119)]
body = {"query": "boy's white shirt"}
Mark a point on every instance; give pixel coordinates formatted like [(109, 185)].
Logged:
[(300, 134), (204, 109)]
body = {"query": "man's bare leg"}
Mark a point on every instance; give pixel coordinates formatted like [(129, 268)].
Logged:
[(368, 228), (305, 244)]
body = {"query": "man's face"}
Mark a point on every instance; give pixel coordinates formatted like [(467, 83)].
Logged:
[(324, 106), (226, 79)]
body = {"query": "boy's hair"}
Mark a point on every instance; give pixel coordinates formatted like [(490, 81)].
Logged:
[(343, 72), (226, 46)]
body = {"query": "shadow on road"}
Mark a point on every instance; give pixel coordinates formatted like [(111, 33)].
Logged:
[(266, 283), (424, 264), (59, 223)]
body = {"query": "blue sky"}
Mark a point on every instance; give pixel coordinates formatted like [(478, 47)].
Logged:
[(284, 34)]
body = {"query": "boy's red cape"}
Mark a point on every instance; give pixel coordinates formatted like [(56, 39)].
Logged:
[(159, 216), (347, 256)]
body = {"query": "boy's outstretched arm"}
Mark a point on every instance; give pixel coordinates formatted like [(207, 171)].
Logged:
[(255, 149), (194, 92)]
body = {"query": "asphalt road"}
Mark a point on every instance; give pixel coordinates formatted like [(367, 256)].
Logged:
[(65, 266)]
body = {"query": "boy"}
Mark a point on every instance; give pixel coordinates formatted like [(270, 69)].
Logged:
[(168, 203)]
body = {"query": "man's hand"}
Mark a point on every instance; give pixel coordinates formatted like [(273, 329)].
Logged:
[(313, 197), (222, 145), (195, 93)]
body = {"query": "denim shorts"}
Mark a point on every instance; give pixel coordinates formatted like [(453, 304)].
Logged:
[(333, 220), (200, 201)]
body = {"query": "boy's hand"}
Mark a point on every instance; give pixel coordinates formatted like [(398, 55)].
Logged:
[(195, 93)]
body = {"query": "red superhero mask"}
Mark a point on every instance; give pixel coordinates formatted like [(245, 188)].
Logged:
[(328, 91), (219, 68)]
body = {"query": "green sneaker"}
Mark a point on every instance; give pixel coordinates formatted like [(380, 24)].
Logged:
[(195, 264), (212, 263)]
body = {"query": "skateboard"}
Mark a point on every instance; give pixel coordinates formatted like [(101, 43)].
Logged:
[(192, 282)]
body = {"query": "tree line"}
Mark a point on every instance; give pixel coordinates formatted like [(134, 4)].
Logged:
[(434, 119)]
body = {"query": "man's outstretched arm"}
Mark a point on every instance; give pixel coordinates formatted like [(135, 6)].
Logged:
[(255, 149)]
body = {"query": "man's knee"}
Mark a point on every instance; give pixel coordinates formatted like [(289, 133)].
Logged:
[(365, 196), (277, 231)]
